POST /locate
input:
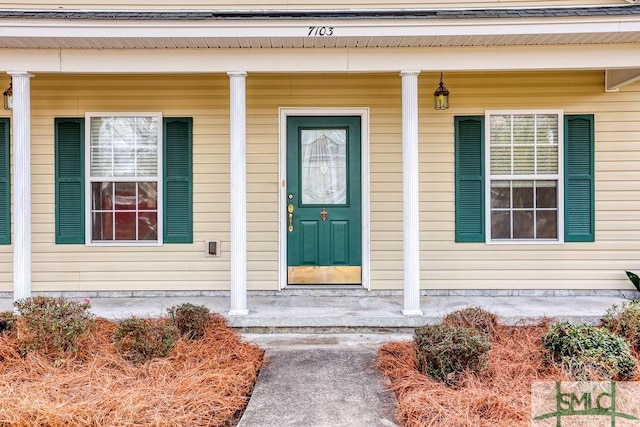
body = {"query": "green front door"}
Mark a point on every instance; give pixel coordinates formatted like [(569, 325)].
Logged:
[(324, 221)]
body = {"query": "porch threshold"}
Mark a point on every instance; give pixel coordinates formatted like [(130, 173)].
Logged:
[(358, 312)]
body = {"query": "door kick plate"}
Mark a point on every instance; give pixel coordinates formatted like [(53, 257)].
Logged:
[(335, 275)]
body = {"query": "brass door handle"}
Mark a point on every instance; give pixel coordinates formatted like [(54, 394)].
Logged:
[(290, 209)]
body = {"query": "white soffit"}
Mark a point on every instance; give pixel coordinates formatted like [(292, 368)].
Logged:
[(615, 79)]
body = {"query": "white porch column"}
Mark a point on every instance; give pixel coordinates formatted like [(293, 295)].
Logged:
[(410, 190), (238, 131), (21, 184)]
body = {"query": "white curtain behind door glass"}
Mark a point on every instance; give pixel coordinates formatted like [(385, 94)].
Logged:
[(324, 166)]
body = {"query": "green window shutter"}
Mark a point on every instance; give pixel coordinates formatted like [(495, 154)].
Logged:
[(5, 184), (469, 176), (178, 181), (69, 179), (579, 204)]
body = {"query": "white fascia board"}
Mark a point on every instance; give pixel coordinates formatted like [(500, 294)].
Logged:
[(338, 60), (301, 28)]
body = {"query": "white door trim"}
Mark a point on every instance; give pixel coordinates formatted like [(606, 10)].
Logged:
[(363, 112)]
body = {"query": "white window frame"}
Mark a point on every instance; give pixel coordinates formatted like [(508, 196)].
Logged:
[(487, 176), (88, 181)]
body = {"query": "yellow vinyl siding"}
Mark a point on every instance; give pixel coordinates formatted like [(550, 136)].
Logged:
[(447, 265), (172, 266), (289, 5), (444, 264)]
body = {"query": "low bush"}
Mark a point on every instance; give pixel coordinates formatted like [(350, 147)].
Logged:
[(443, 352), (141, 339), (53, 326), (7, 321), (624, 320), (473, 317), (190, 320), (586, 352)]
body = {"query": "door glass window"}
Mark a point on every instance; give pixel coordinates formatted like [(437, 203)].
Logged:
[(323, 166)]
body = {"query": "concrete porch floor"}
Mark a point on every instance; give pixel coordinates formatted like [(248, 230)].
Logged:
[(357, 311)]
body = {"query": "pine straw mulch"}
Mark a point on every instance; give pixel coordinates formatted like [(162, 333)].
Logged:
[(205, 382), (500, 396)]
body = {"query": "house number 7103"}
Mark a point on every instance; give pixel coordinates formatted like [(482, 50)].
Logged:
[(320, 31)]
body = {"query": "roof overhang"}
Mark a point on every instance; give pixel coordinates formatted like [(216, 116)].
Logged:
[(579, 37), (309, 29)]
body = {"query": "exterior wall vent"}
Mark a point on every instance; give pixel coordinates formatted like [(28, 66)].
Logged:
[(212, 247)]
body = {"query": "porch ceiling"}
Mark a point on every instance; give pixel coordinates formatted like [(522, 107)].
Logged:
[(309, 29), (304, 42)]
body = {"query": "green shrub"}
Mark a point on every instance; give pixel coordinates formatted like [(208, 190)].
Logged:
[(586, 352), (475, 318), (53, 326), (142, 339), (635, 279), (624, 320), (190, 320), (7, 321), (443, 352)]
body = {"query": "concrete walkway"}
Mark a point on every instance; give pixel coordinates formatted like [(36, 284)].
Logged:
[(320, 381)]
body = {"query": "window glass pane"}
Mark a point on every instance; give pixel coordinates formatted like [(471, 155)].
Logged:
[(500, 194), (524, 160), (125, 225), (100, 147), (500, 225), (102, 208), (124, 159), (547, 159), (523, 225), (101, 195), (523, 194), (147, 195), (148, 226), (324, 166), (501, 159), (546, 194), (547, 143), (125, 196), (147, 146), (547, 224), (500, 130), (102, 225), (547, 129), (523, 129)]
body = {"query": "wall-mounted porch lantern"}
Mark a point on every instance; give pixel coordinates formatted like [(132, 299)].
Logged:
[(441, 97), (8, 97)]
